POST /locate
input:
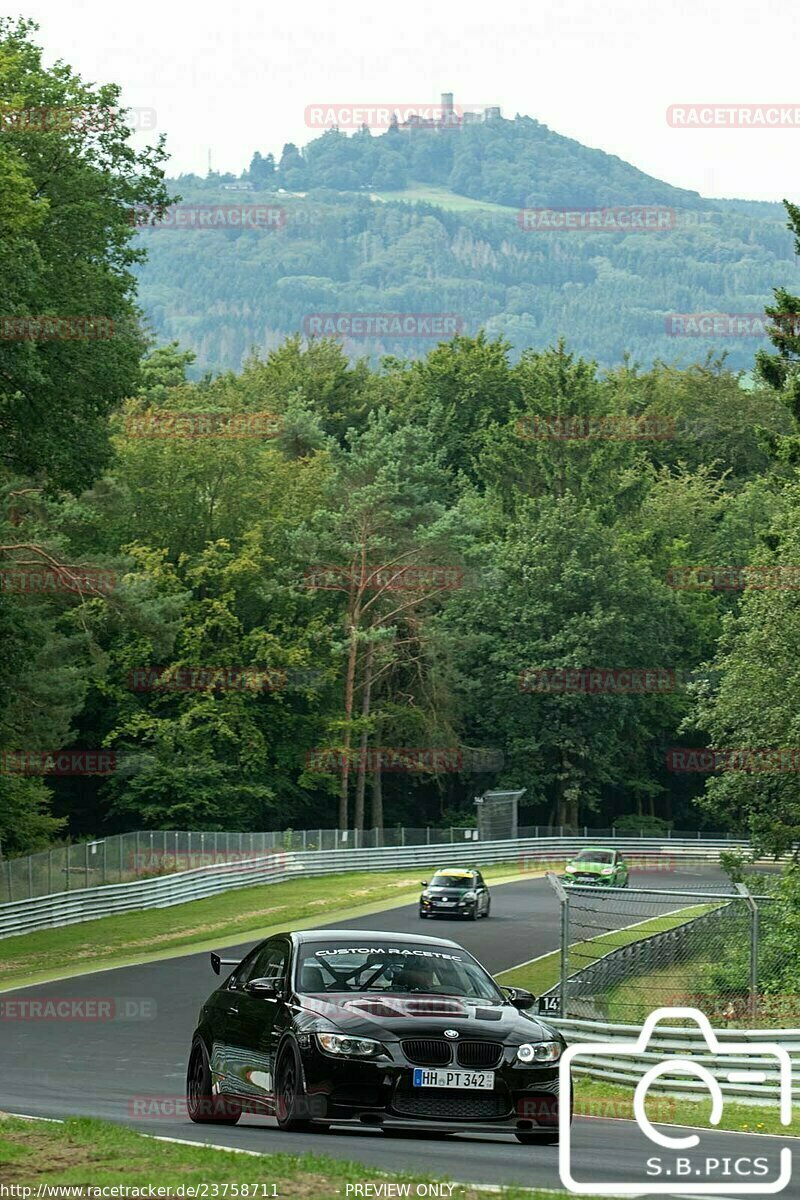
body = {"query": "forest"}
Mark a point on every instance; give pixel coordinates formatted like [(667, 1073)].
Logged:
[(318, 589)]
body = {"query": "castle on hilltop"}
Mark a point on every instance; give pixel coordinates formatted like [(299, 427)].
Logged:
[(447, 116)]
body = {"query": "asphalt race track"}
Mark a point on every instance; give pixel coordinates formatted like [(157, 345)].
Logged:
[(113, 1068)]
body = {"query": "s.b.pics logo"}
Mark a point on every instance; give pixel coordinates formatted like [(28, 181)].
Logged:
[(671, 1159)]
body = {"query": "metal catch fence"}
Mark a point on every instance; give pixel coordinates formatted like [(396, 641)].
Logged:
[(143, 854), (628, 951)]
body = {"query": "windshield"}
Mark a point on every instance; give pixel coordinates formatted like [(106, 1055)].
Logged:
[(595, 856), (397, 969), (460, 880)]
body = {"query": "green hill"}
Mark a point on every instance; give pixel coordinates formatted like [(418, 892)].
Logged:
[(429, 222)]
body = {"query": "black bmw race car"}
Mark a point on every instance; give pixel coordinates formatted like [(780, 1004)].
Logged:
[(382, 1030)]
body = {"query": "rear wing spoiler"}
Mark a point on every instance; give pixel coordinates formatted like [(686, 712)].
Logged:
[(217, 962)]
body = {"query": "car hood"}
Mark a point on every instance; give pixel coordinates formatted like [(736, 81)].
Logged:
[(391, 1017), (589, 868)]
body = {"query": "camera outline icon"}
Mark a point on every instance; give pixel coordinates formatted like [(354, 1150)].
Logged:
[(673, 1065)]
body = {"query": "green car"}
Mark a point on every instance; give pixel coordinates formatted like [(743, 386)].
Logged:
[(597, 867)]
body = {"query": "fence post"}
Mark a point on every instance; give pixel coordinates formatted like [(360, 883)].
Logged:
[(104, 859), (49, 872), (402, 835), (8, 876), (585, 831), (66, 866), (85, 864), (563, 899), (30, 876), (754, 940), (427, 835)]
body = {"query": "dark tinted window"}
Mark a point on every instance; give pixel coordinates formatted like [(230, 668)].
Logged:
[(459, 880), (268, 962), (381, 966)]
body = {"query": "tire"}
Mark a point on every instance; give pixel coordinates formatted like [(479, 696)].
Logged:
[(488, 908), (423, 916), (203, 1107), (291, 1104), (473, 916), (543, 1138)]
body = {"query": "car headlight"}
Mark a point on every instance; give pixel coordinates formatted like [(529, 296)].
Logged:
[(470, 896), (349, 1047), (571, 868), (538, 1052), (426, 895), (607, 871)]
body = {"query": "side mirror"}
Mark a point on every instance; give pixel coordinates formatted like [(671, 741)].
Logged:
[(423, 883), (265, 988), (521, 998), (217, 962)]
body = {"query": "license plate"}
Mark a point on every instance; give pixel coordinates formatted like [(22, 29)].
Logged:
[(425, 1077)]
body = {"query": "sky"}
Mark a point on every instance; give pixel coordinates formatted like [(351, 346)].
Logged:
[(234, 77)]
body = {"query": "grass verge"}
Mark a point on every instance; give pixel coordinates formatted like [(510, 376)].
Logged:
[(595, 1098), (88, 1153), (242, 915)]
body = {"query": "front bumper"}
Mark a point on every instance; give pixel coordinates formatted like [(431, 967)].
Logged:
[(381, 1095), (447, 910), (590, 880)]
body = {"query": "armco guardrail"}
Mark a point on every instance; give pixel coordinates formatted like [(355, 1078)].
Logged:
[(670, 1041), (85, 904)]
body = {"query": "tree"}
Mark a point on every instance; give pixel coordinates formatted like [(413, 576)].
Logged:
[(753, 710), (68, 182)]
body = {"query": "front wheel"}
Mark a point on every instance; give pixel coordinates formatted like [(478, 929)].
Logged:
[(538, 1139), (291, 1104), (203, 1107)]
